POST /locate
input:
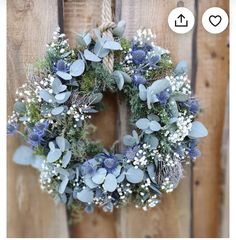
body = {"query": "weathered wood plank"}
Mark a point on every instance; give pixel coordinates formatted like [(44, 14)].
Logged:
[(83, 15), (211, 84), (224, 225), (31, 213), (172, 217)]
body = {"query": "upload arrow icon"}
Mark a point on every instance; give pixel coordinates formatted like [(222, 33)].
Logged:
[(181, 20)]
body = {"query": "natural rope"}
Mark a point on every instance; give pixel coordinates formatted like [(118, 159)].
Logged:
[(105, 28)]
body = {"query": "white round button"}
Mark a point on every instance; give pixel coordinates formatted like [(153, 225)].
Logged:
[(181, 20), (215, 20)]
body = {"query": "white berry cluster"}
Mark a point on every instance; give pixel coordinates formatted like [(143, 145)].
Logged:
[(180, 84), (184, 124)]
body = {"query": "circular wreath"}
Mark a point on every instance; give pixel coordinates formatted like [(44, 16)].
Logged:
[(53, 109)]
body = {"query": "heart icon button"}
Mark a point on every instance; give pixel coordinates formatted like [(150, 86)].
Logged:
[(215, 20)]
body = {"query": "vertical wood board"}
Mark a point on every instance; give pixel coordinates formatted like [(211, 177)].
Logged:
[(31, 213), (211, 84)]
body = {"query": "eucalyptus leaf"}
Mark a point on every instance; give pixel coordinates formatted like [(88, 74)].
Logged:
[(126, 77), (129, 140), (99, 176), (152, 172), (57, 86), (121, 177), (89, 183), (136, 137), (198, 130), (62, 97), (152, 141), (181, 67), (154, 126), (119, 29), (86, 195), (53, 156), (66, 159), (20, 107), (112, 45), (77, 68), (134, 175), (116, 171), (100, 51), (91, 56), (65, 76), (142, 123), (173, 107), (142, 92), (51, 146), (63, 185), (180, 97), (46, 96), (23, 155), (110, 183), (61, 143), (83, 39), (119, 79), (159, 85), (57, 110), (95, 98)]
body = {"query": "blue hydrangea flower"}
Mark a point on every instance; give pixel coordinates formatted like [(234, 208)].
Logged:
[(62, 66), (138, 79), (138, 56), (193, 105), (41, 127), (34, 139), (12, 128), (110, 163), (163, 96)]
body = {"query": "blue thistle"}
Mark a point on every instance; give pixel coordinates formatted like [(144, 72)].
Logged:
[(138, 56), (138, 79), (163, 96), (62, 66), (34, 139), (193, 105), (12, 128)]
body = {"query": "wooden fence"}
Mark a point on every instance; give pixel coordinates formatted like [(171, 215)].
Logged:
[(195, 208)]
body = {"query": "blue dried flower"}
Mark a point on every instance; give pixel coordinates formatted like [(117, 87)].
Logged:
[(193, 105), (138, 79), (12, 128), (62, 66), (138, 56), (194, 152), (163, 96), (131, 152), (41, 127), (110, 163), (34, 139)]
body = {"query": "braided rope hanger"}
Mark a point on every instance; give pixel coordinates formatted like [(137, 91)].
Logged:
[(105, 28)]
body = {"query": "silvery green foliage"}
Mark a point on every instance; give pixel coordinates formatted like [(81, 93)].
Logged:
[(55, 108)]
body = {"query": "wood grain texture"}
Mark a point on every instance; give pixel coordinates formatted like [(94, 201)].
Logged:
[(172, 217), (79, 16), (31, 213), (211, 84)]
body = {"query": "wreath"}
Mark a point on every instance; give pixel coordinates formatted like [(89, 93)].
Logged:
[(52, 113)]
